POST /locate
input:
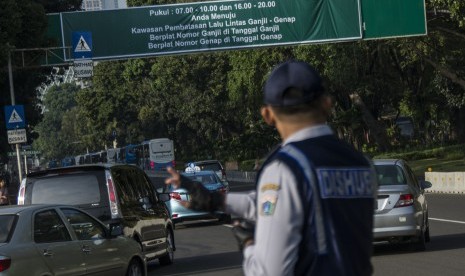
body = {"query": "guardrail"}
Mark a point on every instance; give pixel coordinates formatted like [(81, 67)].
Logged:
[(443, 182), (446, 182), (241, 176)]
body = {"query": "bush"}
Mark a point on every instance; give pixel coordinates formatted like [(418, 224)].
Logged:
[(247, 165), (449, 152)]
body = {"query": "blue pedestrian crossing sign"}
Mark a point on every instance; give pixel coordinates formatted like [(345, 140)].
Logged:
[(82, 45), (14, 117)]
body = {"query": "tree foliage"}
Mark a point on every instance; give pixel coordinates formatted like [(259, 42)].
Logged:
[(57, 130)]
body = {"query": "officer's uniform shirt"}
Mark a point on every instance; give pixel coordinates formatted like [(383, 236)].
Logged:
[(277, 207)]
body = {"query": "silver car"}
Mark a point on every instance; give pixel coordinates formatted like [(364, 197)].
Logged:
[(179, 213), (63, 240), (401, 211)]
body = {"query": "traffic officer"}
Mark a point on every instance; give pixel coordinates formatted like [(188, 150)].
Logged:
[(314, 202)]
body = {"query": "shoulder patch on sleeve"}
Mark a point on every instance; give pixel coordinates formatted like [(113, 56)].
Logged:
[(268, 199), (269, 186)]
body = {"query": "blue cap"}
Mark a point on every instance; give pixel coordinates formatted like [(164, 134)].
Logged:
[(292, 74)]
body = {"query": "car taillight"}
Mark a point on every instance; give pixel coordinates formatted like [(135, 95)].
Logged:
[(5, 263), (404, 200), (112, 198), (22, 190), (175, 195)]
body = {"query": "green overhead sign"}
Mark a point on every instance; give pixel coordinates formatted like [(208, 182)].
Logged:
[(229, 25), (393, 18), (211, 26)]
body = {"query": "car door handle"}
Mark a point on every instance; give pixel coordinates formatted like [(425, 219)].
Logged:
[(48, 253), (86, 249)]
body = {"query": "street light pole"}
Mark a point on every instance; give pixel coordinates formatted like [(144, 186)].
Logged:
[(13, 102)]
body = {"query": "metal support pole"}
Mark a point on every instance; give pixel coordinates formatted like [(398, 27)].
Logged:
[(25, 163), (13, 102)]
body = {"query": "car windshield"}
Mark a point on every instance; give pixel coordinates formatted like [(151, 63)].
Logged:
[(6, 227), (390, 175)]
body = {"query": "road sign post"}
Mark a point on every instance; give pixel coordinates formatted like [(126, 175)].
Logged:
[(13, 102), (17, 136), (83, 68), (14, 116)]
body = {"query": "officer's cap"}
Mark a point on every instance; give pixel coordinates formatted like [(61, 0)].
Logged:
[(292, 74)]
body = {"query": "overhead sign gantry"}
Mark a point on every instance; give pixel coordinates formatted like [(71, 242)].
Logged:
[(211, 26), (229, 25)]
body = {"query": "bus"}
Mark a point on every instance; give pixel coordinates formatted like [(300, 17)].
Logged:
[(130, 154), (161, 154)]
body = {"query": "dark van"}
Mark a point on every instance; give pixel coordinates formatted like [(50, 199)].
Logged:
[(115, 194)]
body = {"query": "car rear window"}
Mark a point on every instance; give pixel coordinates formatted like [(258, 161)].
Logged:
[(204, 179), (6, 227), (390, 175), (75, 189), (209, 167)]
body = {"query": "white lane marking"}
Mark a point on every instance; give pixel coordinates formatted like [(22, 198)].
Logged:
[(448, 220), (203, 272)]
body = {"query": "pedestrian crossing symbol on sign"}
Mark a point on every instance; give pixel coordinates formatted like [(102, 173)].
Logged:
[(82, 45), (15, 118)]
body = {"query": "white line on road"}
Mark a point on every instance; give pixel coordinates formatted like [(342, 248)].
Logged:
[(205, 271), (448, 220)]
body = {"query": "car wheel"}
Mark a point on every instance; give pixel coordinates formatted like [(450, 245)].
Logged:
[(169, 257), (420, 243), (225, 219), (427, 235), (135, 268)]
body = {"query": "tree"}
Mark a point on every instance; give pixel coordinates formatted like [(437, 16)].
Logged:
[(57, 130), (22, 26), (188, 95)]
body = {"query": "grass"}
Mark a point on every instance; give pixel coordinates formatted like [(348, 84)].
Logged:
[(439, 159), (419, 167)]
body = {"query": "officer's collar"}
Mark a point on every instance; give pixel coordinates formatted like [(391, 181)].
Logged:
[(309, 132)]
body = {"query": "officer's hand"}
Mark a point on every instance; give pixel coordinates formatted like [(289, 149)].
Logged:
[(244, 233), (201, 199)]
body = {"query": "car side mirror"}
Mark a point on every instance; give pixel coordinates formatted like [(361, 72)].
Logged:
[(426, 185), (115, 230), (164, 197), (226, 185)]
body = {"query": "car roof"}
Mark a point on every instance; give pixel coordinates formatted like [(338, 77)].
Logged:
[(84, 167), (388, 161), (206, 161), (17, 209), (207, 172)]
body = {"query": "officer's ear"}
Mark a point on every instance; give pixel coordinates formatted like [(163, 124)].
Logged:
[(327, 105), (268, 115)]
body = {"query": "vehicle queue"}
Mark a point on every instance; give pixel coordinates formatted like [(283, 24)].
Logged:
[(154, 154), (400, 198)]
